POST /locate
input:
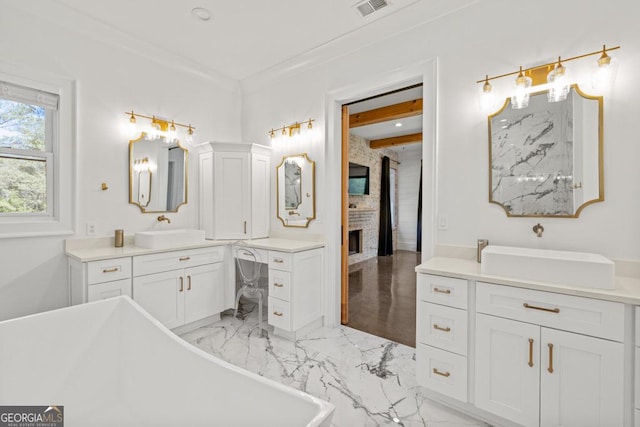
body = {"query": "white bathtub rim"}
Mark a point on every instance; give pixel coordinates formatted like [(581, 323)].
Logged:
[(325, 409)]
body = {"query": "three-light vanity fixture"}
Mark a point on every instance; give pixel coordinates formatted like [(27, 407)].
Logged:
[(159, 128), (554, 75), (292, 129)]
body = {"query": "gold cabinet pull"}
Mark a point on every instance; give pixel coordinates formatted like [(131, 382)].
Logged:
[(550, 368), (181, 285), (188, 283), (442, 291), (110, 270), (443, 374), (245, 227), (278, 260), (277, 313), (185, 258), (530, 352), (247, 253), (440, 328), (278, 285), (533, 307)]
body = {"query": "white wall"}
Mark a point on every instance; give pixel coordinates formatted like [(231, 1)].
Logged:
[(489, 37), (113, 75), (408, 188)]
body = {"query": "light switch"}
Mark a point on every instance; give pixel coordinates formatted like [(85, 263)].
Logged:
[(442, 222)]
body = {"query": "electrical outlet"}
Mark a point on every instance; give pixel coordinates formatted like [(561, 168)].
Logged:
[(91, 228)]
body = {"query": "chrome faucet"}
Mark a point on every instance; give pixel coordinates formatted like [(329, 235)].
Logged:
[(164, 218), (538, 229)]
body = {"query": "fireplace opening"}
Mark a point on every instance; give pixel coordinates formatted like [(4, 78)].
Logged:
[(355, 242)]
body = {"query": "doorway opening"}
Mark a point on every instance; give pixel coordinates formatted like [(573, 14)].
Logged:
[(381, 189)]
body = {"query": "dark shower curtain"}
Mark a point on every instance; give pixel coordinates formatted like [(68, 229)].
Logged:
[(385, 239), (419, 231)]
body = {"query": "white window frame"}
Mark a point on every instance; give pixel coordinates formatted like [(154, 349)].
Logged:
[(60, 157)]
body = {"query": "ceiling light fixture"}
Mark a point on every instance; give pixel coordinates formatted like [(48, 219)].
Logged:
[(398, 124), (201, 14)]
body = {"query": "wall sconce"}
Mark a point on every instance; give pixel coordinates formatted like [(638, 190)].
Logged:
[(160, 128), (555, 75), (291, 129)]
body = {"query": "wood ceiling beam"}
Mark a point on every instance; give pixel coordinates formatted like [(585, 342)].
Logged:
[(396, 140), (385, 114)]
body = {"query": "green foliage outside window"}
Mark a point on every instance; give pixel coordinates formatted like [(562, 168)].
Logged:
[(23, 186)]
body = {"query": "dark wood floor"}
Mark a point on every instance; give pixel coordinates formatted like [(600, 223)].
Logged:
[(382, 296)]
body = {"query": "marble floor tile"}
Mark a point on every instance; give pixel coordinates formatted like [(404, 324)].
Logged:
[(370, 380)]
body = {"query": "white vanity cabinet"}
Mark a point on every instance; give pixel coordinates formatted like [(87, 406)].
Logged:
[(517, 356), (441, 335), (637, 367), (96, 280), (295, 291), (235, 182), (180, 287), (542, 376)]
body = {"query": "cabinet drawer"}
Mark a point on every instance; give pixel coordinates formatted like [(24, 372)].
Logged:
[(108, 270), (442, 290), (280, 260), (442, 371), (109, 290), (442, 327), (280, 284), (279, 314), (167, 261), (604, 319)]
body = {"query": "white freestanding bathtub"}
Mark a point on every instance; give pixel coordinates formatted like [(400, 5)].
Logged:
[(111, 364)]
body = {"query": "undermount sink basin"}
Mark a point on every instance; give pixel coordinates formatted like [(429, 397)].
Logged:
[(578, 269), (162, 239)]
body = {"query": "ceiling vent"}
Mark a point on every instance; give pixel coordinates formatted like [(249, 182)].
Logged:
[(369, 6)]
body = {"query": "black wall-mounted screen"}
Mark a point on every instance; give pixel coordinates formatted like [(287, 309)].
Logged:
[(358, 179)]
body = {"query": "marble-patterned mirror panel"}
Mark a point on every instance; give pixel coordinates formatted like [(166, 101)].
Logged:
[(546, 159)]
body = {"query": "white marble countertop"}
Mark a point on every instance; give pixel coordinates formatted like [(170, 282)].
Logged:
[(95, 249), (627, 288)]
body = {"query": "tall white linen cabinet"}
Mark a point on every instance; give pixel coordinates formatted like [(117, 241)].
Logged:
[(235, 181)]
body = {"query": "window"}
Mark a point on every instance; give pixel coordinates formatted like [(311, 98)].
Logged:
[(27, 139), (35, 157)]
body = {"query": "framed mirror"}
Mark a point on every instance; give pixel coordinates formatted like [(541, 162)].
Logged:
[(296, 186), (546, 159), (157, 174)]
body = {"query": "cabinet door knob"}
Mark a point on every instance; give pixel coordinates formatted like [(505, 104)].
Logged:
[(442, 291), (278, 285), (277, 313), (188, 283), (550, 368), (530, 352), (443, 374), (440, 328), (110, 270), (185, 258), (278, 260), (245, 227), (181, 285)]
